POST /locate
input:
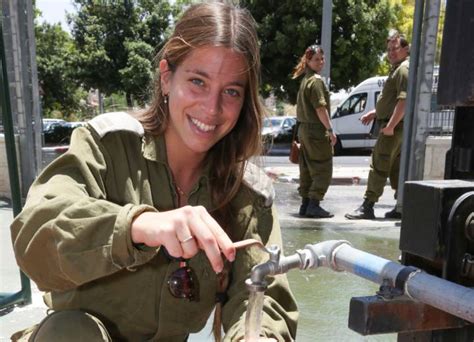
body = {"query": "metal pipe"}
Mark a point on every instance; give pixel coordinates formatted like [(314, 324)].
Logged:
[(365, 265), (410, 115), (447, 296), (442, 294), (339, 255)]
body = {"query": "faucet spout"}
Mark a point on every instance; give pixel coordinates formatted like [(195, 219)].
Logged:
[(276, 265)]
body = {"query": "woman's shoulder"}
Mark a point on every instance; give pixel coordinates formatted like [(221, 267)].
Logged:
[(318, 80), (314, 80), (259, 184), (115, 122)]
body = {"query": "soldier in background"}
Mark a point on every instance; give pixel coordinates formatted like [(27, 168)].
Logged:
[(314, 133), (389, 112)]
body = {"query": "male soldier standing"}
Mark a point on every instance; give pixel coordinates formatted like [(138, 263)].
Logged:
[(389, 113)]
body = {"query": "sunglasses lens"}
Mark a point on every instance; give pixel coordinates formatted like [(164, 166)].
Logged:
[(181, 284)]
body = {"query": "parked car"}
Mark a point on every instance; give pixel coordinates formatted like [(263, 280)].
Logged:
[(278, 128), (58, 132), (55, 132), (350, 132), (47, 122), (57, 135)]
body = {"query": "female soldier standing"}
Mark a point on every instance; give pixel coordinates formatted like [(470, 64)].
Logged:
[(314, 133), (126, 231)]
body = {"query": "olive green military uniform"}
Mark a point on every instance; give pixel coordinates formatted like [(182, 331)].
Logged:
[(315, 160), (73, 239), (386, 154)]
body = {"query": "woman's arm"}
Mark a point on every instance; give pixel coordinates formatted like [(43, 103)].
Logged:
[(68, 233)]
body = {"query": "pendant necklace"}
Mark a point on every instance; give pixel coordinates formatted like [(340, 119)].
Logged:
[(180, 191)]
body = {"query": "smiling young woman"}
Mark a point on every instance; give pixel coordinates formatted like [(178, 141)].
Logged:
[(131, 232)]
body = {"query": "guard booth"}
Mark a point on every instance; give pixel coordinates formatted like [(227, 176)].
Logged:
[(437, 229)]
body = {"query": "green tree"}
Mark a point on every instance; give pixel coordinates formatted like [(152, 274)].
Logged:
[(55, 54), (116, 41), (286, 28), (138, 71)]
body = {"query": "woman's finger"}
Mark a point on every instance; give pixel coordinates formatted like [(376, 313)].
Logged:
[(226, 246), (174, 248), (209, 236), (188, 245)]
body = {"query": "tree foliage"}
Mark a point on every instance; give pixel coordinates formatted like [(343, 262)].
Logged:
[(113, 44), (116, 41), (54, 58), (287, 27)]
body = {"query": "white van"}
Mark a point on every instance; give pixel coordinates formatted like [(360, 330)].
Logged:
[(350, 131)]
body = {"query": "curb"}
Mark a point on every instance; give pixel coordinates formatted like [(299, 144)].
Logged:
[(283, 177)]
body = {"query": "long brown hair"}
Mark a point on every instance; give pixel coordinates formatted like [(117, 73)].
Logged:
[(217, 24), (310, 51)]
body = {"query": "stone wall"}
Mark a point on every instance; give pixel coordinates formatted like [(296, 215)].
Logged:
[(5, 191), (435, 156)]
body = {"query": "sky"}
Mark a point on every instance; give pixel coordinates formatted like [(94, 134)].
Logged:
[(54, 11)]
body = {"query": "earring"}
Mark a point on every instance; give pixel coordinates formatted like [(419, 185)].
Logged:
[(165, 100)]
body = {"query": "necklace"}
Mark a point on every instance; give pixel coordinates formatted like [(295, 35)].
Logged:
[(180, 191)]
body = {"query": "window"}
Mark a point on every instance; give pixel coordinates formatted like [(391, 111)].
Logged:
[(377, 93), (354, 104)]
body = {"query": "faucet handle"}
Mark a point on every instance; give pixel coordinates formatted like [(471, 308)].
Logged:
[(253, 242)]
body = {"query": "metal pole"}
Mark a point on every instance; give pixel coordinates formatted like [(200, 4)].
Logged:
[(18, 46), (30, 47), (409, 119), (24, 296), (424, 90), (326, 31)]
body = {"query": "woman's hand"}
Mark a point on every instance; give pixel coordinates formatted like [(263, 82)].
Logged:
[(173, 229)]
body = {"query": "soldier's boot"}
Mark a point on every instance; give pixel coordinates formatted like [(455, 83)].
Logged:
[(314, 210), (393, 214), (304, 206), (364, 212)]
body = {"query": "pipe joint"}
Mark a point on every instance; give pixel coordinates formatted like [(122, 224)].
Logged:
[(323, 253)]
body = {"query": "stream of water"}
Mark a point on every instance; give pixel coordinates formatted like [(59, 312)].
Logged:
[(253, 317)]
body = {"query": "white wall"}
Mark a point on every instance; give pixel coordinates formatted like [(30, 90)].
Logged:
[(4, 177), (435, 156)]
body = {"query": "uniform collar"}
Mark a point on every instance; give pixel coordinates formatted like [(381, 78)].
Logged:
[(309, 72), (396, 65)]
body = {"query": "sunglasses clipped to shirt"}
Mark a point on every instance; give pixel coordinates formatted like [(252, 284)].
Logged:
[(183, 282)]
